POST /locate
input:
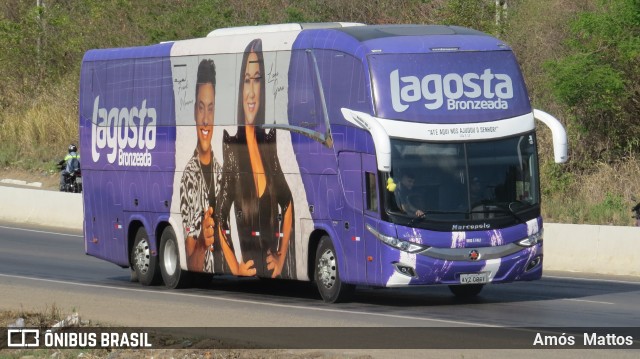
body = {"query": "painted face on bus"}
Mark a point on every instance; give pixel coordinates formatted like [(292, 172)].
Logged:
[(205, 107), (251, 88)]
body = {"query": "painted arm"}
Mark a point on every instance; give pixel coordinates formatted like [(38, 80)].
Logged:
[(237, 268), (275, 261), (197, 247)]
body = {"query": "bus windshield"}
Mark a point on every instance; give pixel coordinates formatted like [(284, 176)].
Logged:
[(463, 182)]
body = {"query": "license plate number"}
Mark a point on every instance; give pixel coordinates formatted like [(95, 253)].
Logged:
[(474, 278), (78, 179)]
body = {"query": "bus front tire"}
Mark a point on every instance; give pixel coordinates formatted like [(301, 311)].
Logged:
[(172, 275), (143, 263), (327, 276), (467, 290)]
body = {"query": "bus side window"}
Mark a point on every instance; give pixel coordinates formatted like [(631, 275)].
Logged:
[(371, 192)]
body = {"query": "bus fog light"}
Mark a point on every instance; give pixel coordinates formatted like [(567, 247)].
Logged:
[(534, 263), (404, 269)]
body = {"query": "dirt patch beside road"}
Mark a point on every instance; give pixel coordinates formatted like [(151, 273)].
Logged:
[(50, 181)]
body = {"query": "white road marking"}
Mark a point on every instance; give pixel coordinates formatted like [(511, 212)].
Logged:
[(594, 279), (45, 232), (244, 301), (587, 301)]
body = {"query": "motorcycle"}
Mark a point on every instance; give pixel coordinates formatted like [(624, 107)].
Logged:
[(72, 181), (636, 213)]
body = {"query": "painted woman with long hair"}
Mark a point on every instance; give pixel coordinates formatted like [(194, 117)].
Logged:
[(254, 183)]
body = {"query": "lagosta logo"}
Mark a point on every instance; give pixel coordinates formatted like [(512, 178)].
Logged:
[(469, 91), (125, 132)]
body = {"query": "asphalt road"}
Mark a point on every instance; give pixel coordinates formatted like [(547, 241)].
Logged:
[(41, 267)]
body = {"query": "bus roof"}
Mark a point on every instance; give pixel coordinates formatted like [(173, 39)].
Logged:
[(352, 38), (364, 33), (151, 51), (410, 39), (262, 29)]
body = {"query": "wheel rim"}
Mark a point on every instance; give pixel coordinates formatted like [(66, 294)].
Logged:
[(170, 257), (327, 271), (142, 256)]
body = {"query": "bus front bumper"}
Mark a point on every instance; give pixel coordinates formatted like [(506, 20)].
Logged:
[(454, 266)]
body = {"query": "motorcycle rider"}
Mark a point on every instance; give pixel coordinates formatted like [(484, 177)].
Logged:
[(71, 162)]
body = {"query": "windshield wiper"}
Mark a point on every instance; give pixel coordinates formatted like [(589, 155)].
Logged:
[(506, 208), (421, 218), (521, 203)]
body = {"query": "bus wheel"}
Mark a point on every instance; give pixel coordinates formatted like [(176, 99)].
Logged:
[(327, 278), (172, 275), (144, 264), (466, 291)]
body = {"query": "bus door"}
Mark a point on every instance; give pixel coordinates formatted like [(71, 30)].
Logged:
[(350, 228), (359, 179)]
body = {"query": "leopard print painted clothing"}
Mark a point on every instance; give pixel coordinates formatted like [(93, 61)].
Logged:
[(196, 197)]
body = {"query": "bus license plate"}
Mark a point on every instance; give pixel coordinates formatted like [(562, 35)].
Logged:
[(474, 278)]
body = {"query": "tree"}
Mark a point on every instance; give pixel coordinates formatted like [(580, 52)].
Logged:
[(599, 80)]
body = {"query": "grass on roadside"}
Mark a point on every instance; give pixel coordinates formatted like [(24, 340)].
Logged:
[(35, 319), (604, 196), (42, 319), (38, 131)]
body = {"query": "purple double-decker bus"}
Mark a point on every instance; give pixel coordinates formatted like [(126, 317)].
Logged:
[(345, 154)]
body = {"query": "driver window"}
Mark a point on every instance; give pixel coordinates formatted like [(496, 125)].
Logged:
[(372, 193)]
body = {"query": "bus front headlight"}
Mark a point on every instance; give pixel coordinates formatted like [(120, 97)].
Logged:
[(532, 240), (400, 244)]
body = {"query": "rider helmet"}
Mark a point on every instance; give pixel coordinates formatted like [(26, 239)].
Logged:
[(73, 148)]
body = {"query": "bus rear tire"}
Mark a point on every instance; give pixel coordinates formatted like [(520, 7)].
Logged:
[(172, 275), (326, 275), (467, 290), (142, 261)]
